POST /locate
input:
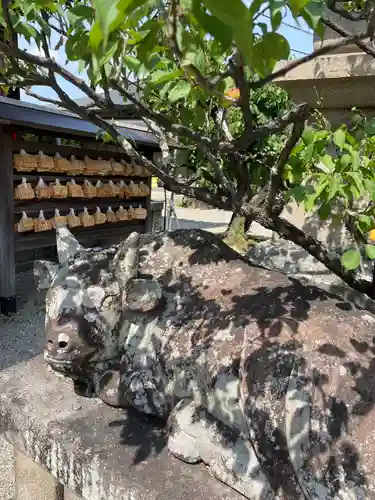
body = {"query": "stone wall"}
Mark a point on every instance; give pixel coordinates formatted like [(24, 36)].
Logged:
[(339, 81)]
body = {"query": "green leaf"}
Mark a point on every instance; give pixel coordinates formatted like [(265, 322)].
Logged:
[(339, 138), (357, 178), (325, 211), (297, 5), (333, 188), (268, 50), (326, 164), (109, 54), (132, 63), (345, 160), (235, 14), (308, 135), (276, 10), (232, 13), (96, 36), (213, 26), (82, 11), (370, 251), (199, 116), (355, 159), (81, 66), (128, 6), (162, 76), (179, 91), (165, 89), (369, 127), (149, 42), (364, 223), (309, 152), (26, 30), (312, 12), (366, 219), (351, 259), (350, 139), (370, 188), (194, 58), (106, 13), (297, 192), (317, 191)]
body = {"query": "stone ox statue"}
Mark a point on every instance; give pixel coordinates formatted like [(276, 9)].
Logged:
[(268, 381)]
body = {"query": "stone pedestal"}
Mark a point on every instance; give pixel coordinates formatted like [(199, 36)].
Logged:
[(33, 482), (69, 495), (94, 452)]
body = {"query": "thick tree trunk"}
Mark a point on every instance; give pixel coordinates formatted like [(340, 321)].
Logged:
[(318, 250), (227, 231)]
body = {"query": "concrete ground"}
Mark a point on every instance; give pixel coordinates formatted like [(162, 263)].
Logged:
[(213, 220)]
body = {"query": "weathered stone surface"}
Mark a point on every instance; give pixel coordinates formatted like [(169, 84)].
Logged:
[(33, 482), (292, 260), (96, 451), (45, 272), (266, 380)]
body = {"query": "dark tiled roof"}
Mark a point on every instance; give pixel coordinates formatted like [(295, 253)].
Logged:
[(43, 117)]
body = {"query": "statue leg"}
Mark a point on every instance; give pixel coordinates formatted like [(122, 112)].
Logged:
[(195, 435), (138, 389)]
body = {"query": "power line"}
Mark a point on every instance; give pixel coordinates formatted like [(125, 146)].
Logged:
[(290, 25), (299, 52)]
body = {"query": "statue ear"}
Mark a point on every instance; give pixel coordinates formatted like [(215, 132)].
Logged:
[(44, 273), (142, 295), (126, 260), (68, 246)]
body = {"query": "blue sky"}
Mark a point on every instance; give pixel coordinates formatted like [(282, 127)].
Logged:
[(299, 36)]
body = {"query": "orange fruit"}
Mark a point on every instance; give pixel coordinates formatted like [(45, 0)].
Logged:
[(371, 235), (233, 93)]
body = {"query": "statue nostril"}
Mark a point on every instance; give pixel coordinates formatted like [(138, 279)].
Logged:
[(63, 341)]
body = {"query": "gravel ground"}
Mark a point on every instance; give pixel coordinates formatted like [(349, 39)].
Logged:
[(21, 338)]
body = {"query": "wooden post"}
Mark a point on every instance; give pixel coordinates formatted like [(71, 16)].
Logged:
[(148, 224), (7, 243)]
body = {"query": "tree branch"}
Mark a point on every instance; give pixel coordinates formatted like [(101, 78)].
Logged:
[(278, 125), (221, 123), (180, 188), (365, 46), (51, 65), (163, 142), (325, 49), (189, 69), (243, 84), (41, 98), (317, 249), (277, 171), (163, 121)]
